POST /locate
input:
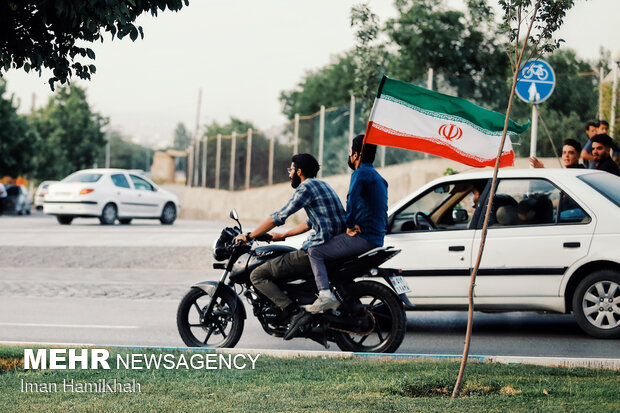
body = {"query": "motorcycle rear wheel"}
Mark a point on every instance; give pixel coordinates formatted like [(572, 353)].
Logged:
[(221, 328), (390, 321)]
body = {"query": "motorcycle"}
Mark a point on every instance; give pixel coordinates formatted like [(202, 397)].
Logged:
[(371, 317)]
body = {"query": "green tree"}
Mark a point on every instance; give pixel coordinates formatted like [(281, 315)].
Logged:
[(331, 85), (369, 56), (182, 138), (18, 141), (50, 34), (71, 133), (464, 49), (546, 16), (125, 154)]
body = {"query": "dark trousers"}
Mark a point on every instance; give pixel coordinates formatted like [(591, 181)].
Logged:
[(290, 266), (341, 246)]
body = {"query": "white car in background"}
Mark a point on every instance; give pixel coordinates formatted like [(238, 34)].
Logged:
[(109, 194), (553, 244), (39, 195)]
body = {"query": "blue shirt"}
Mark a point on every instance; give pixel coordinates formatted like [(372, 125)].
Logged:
[(323, 207), (367, 203)]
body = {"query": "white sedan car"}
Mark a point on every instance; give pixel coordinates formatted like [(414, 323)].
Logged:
[(40, 194), (109, 194), (553, 244)]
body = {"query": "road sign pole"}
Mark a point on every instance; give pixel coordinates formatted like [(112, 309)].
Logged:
[(534, 130)]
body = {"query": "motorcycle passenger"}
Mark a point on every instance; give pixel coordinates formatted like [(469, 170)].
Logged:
[(326, 216), (366, 218)]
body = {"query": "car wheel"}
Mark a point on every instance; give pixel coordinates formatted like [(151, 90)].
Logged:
[(124, 221), (169, 214), (108, 215), (596, 304), (64, 219)]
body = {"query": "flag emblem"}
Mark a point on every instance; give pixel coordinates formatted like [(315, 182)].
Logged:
[(450, 131)]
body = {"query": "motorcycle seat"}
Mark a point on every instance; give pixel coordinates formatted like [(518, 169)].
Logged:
[(358, 264)]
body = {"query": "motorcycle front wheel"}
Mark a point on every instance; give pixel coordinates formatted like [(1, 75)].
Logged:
[(221, 327), (385, 316)]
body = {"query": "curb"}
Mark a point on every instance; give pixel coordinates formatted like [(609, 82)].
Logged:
[(590, 363)]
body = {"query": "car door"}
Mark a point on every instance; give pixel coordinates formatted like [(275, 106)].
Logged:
[(124, 195), (147, 203), (435, 233), (536, 233)]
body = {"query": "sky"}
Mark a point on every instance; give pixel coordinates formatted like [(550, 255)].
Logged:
[(242, 54)]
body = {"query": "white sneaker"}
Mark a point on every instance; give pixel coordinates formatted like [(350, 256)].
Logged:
[(325, 301)]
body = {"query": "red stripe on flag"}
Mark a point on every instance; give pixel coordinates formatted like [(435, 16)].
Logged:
[(382, 136)]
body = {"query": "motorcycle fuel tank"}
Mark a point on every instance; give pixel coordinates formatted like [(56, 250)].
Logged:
[(248, 262)]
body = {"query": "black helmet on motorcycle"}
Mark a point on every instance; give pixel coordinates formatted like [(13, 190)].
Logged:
[(221, 248)]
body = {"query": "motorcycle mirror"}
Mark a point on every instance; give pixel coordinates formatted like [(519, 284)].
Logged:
[(235, 216)]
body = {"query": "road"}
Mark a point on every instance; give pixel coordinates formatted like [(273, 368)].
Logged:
[(91, 284)]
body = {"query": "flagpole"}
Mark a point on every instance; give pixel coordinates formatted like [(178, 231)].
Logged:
[(368, 125)]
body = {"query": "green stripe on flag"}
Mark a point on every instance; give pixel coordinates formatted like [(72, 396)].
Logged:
[(446, 106)]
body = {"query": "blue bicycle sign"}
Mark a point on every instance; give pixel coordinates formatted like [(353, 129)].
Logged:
[(535, 81)]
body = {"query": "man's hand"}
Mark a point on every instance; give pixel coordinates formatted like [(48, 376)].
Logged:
[(277, 237), (354, 231), (241, 238), (536, 163)]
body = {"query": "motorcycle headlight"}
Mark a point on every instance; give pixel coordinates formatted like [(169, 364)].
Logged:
[(221, 250)]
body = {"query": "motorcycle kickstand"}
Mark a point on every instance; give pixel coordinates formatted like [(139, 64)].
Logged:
[(325, 343)]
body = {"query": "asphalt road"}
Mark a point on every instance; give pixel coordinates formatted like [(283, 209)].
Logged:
[(121, 285)]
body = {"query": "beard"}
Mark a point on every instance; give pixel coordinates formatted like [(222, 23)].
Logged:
[(351, 164), (295, 181)]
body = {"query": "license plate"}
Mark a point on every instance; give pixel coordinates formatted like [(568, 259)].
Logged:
[(399, 284)]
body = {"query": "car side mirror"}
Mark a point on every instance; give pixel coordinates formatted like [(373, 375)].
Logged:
[(459, 215)]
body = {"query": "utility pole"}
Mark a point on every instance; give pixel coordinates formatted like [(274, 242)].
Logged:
[(218, 155), (204, 161), (233, 148), (248, 159), (296, 135), (196, 140), (321, 139), (614, 92), (107, 151)]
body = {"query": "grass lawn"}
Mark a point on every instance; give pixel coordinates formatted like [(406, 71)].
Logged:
[(315, 384)]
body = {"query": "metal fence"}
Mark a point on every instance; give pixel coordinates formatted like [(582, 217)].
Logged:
[(254, 158)]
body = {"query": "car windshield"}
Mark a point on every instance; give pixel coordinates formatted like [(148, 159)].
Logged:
[(82, 177), (605, 183)]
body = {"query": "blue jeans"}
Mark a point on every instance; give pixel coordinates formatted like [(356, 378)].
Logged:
[(340, 246)]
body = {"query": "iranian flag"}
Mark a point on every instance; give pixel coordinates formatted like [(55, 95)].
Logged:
[(411, 117)]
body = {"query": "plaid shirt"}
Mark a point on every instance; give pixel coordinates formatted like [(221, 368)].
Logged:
[(324, 209)]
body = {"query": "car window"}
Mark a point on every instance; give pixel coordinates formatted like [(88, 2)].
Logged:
[(606, 184), (120, 180), (82, 177), (533, 202), (140, 183), (448, 206)]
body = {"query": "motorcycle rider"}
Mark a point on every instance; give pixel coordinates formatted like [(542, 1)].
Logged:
[(326, 216), (366, 217)]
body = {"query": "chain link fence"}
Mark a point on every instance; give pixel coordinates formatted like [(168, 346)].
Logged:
[(254, 158)]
